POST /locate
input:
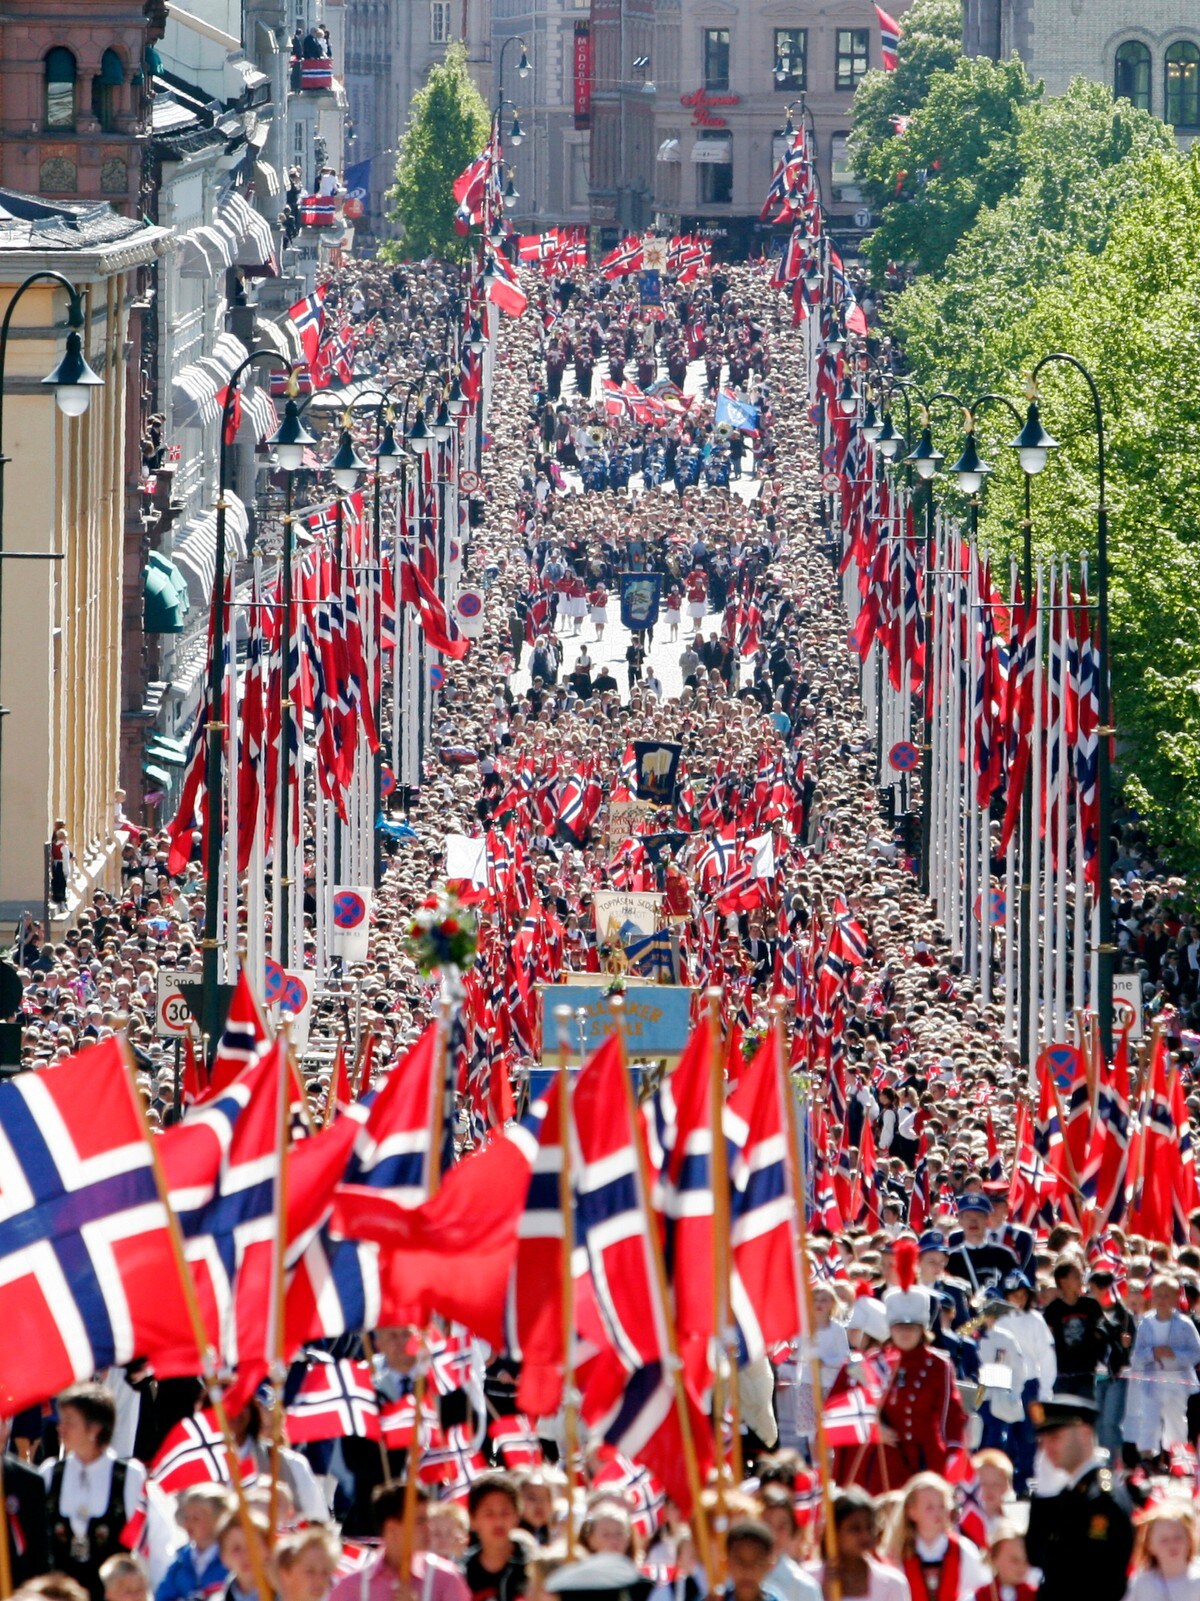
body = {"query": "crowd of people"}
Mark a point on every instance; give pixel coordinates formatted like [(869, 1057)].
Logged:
[(1031, 1389)]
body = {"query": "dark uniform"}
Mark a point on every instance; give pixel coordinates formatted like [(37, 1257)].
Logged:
[(81, 1557), (1081, 1539)]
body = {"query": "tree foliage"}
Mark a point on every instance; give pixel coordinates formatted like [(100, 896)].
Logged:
[(1122, 293), (930, 41), (957, 155), (448, 127)]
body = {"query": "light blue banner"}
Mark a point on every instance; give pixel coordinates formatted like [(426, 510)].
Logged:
[(657, 1019)]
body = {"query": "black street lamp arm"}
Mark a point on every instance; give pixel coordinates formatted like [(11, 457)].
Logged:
[(74, 321), (504, 49)]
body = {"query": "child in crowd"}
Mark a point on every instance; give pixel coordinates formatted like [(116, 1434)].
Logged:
[(495, 1568), (197, 1569), (124, 1579), (1164, 1555)]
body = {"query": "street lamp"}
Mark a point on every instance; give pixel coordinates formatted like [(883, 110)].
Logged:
[(1035, 442), (418, 438), (970, 469), (72, 382), (522, 66), (291, 440), (387, 453), (347, 464), (847, 398), (888, 442), (871, 427), (925, 456)]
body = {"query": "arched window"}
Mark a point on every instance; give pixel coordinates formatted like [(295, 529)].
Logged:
[(1131, 74), (1182, 64), (104, 90), (60, 88)]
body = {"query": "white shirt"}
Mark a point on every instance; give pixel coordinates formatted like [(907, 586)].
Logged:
[(788, 1580), (85, 1488), (1151, 1585)]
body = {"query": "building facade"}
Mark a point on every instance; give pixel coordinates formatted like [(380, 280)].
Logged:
[(691, 102), (63, 610), (1147, 52), (391, 45), (551, 166)]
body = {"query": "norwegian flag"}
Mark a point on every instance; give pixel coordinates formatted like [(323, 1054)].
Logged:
[(454, 1364), (335, 1400), (439, 630), (889, 40), (86, 1268), (308, 318), (337, 1287), (193, 796), (517, 1441), (852, 1407), (244, 1040), (539, 248), (638, 1488), (1019, 708), (192, 1453), (1087, 741), (533, 1306), (624, 258), (452, 1460), (398, 1418)]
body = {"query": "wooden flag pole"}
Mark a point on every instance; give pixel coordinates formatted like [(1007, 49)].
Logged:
[(562, 1016), (205, 1357), (699, 1523), (797, 1182), (6, 1584), (384, 1458), (279, 1282)]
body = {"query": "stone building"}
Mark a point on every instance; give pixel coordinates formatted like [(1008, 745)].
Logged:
[(1147, 52)]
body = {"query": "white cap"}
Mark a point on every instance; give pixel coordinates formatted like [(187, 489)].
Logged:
[(868, 1315), (908, 1306)]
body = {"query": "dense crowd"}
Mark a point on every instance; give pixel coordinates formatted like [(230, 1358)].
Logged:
[(1031, 1387)]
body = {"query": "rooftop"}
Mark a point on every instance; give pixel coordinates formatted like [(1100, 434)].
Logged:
[(30, 223)]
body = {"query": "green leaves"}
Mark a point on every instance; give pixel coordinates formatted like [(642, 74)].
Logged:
[(448, 127)]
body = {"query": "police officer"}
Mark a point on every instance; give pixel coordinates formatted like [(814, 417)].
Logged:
[(1081, 1538)]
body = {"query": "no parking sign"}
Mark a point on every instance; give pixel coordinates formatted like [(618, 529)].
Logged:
[(468, 612), (351, 922), (291, 993)]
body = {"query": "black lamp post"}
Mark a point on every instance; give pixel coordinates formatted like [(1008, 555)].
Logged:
[(289, 443), (523, 67), (71, 383), (1034, 444)]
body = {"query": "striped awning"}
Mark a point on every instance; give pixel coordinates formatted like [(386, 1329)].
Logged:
[(259, 416), (195, 388), (195, 553), (255, 243), (206, 251)]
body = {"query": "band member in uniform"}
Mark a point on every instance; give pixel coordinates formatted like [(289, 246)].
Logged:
[(978, 1260), (90, 1494), (921, 1419), (1081, 1538)]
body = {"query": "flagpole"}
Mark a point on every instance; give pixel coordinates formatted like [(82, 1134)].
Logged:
[(412, 1466), (6, 1584), (720, 1255), (384, 1459), (562, 1016), (796, 1176), (205, 1356), (279, 1285), (699, 1523)]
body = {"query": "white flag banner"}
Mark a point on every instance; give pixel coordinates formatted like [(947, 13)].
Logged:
[(467, 858)]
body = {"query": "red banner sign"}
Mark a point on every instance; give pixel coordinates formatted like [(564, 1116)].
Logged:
[(700, 103), (583, 75)]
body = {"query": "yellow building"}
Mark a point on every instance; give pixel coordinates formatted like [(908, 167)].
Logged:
[(61, 542)]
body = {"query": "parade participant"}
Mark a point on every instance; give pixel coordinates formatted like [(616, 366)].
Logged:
[(921, 1418), (1165, 1566), (786, 1579), (1082, 1537), (304, 1562), (124, 1579), (978, 1260), (1162, 1372), (434, 1577), (90, 1494), (607, 1528), (25, 1500), (233, 1548), (939, 1564), (749, 1558), (1028, 1327), (495, 1562), (197, 1569), (994, 1473), (1076, 1322), (1009, 1563), (857, 1572)]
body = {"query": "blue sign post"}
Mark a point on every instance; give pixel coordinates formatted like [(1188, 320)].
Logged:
[(657, 1019)]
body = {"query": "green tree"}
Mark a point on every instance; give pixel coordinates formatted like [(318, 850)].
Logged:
[(448, 127), (1128, 306), (958, 155), (930, 41)]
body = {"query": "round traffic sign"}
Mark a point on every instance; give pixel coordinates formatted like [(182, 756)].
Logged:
[(830, 482), (468, 604), (437, 676), (387, 782), (1124, 1012), (349, 909), (274, 980), (453, 551), (904, 756), (997, 906), (1062, 1060), (174, 1014), (469, 481), (288, 989)]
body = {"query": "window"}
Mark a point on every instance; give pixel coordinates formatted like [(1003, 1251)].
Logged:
[(60, 88), (1131, 74), (852, 62), (713, 153), (842, 180), (439, 21), (104, 90), (716, 58), (791, 58), (1183, 84)]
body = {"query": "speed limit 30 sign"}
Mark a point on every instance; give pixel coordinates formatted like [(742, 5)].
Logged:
[(172, 1017)]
